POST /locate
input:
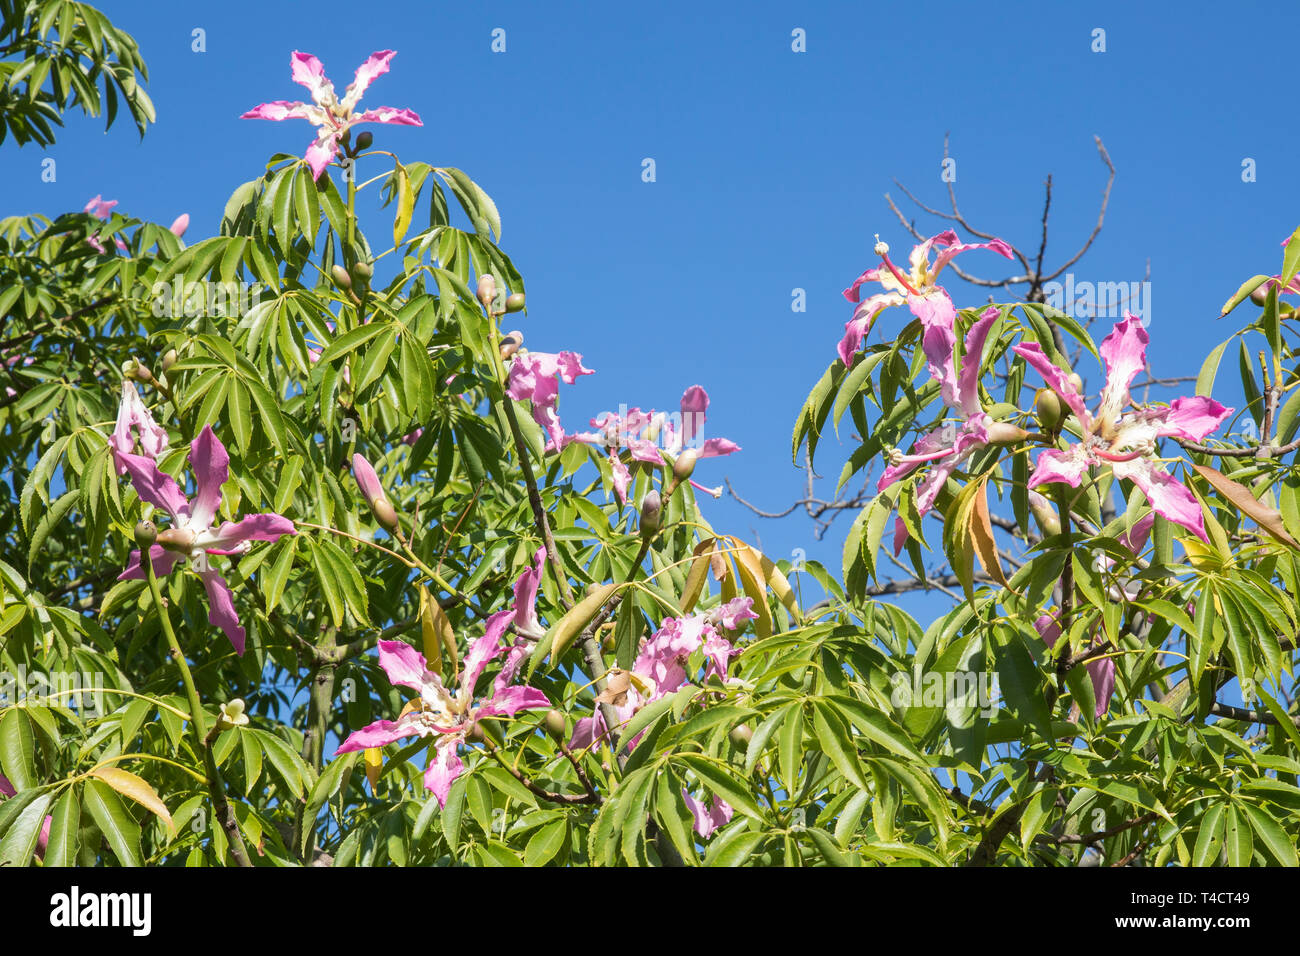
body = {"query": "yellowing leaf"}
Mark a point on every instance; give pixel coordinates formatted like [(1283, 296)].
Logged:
[(435, 628), (1270, 519), (405, 204), (750, 567), (698, 573), (980, 530), (374, 760), (137, 789)]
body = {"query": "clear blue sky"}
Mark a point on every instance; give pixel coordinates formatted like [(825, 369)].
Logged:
[(771, 166)]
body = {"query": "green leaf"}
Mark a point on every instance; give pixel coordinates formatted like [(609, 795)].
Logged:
[(17, 749), (19, 842), (546, 842), (62, 847), (721, 782), (115, 823)]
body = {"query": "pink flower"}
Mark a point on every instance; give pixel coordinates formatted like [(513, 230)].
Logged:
[(179, 225), (133, 420), (192, 534), (438, 711), (644, 434), (533, 378), (410, 438), (1126, 440), (100, 208), (332, 116), (1101, 670), (661, 664), (918, 288), (949, 445), (371, 487), (526, 622), (707, 819)]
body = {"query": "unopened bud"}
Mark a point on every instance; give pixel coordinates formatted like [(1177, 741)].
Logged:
[(515, 302), (341, 277), (1044, 514), (364, 139), (176, 539), (685, 464), (487, 290), (1260, 295), (169, 360), (740, 736), (1004, 433), (555, 724), (142, 373), (1048, 406), (510, 343), (362, 271), (146, 533), (1076, 380), (650, 514), (385, 513)]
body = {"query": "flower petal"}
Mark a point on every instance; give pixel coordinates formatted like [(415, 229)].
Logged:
[(1055, 465), (306, 70), (155, 486), (1056, 379), (968, 394), (221, 608), (404, 665), (283, 110), (1124, 352), (510, 700), (258, 527), (443, 770), (1167, 495), (1193, 418), (163, 562), (211, 466), (526, 622), (378, 734)]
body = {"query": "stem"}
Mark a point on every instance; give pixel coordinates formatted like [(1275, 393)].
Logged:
[(198, 722)]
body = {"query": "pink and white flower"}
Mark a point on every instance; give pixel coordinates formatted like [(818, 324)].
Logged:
[(533, 377), (644, 434), (333, 117), (134, 420), (193, 534), (950, 445), (1126, 439), (918, 288)]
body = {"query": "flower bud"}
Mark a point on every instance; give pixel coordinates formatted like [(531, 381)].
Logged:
[(364, 139), (555, 724), (1048, 406), (341, 277), (650, 514), (169, 360), (1076, 380), (1004, 433), (487, 290), (510, 343), (361, 273), (1044, 514), (1260, 295), (142, 373), (373, 491), (146, 533), (515, 302), (685, 464), (740, 736)]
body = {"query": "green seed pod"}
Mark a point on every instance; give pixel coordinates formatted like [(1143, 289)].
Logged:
[(1004, 433), (341, 277), (555, 724), (685, 464), (515, 302), (740, 736), (1044, 514), (146, 533), (361, 272), (1048, 406), (364, 139)]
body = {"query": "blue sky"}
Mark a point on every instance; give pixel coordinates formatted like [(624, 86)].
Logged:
[(770, 167)]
